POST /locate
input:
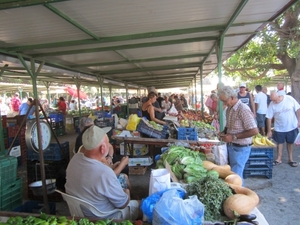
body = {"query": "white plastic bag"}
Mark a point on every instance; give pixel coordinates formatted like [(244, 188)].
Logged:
[(221, 155), (171, 209), (297, 140), (173, 110), (159, 180)]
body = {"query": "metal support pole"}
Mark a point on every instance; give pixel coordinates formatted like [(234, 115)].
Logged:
[(201, 87), (110, 97), (127, 96), (219, 55), (195, 79)]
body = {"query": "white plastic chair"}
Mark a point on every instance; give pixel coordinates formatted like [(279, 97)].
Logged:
[(75, 206)]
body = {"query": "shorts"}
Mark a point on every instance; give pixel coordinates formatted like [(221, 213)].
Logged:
[(260, 118), (130, 212), (122, 179), (289, 137)]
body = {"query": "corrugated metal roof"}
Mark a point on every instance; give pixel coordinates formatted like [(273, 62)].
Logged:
[(143, 43)]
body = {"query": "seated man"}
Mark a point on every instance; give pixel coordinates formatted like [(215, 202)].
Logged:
[(95, 182)]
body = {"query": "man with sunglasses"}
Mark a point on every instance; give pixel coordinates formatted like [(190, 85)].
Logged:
[(239, 130)]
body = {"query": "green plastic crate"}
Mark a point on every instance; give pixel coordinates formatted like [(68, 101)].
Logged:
[(11, 195), (8, 170)]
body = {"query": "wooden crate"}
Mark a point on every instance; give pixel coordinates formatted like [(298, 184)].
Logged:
[(137, 170)]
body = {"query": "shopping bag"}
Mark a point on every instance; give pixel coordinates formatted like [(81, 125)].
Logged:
[(173, 110), (159, 180), (172, 209), (221, 155), (297, 140), (133, 121)]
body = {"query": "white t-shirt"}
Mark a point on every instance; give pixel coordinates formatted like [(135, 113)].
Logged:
[(261, 100), (94, 182), (165, 105), (281, 92), (284, 113)]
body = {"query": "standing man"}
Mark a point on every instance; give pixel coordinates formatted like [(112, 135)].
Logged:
[(15, 104), (265, 90), (239, 129), (261, 108), (246, 98), (285, 111), (159, 99), (280, 88), (25, 106)]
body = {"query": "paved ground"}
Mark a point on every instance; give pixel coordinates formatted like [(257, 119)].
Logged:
[(279, 196)]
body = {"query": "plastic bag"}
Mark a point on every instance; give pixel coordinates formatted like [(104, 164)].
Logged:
[(173, 110), (159, 180), (221, 155), (148, 203), (133, 121), (297, 140), (215, 123), (189, 211)]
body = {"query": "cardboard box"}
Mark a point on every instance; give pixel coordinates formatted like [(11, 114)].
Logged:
[(138, 149)]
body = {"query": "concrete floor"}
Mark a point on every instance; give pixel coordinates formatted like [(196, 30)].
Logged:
[(279, 196)]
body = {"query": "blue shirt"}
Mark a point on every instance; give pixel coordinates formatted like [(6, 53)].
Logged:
[(23, 109)]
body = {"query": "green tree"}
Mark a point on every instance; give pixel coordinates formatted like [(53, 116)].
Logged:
[(276, 49)]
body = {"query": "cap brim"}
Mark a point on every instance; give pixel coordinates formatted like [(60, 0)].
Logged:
[(106, 129)]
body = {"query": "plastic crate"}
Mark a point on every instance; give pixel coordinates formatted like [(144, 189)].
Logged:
[(57, 125), (16, 143), (105, 122), (11, 195), (5, 132), (262, 152), (259, 163), (52, 153), (187, 134), (253, 172), (12, 131), (36, 207), (56, 117), (8, 170), (143, 128), (59, 131)]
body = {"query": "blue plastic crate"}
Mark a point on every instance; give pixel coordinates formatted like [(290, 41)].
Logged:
[(52, 153), (259, 163), (261, 152), (261, 172), (56, 117), (187, 134), (36, 207), (143, 128)]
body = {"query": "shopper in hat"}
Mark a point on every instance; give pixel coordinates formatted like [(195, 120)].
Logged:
[(246, 98), (89, 179)]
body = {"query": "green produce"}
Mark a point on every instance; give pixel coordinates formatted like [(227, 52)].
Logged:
[(44, 219), (156, 126), (212, 192)]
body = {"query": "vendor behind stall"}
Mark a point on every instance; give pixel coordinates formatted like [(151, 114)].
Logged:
[(148, 110), (89, 179)]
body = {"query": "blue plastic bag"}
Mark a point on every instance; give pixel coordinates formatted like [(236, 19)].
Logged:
[(148, 203), (172, 209)]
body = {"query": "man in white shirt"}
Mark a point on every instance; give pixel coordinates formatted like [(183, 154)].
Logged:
[(285, 111), (261, 107)]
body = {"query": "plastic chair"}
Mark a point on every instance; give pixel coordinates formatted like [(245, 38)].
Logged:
[(76, 205)]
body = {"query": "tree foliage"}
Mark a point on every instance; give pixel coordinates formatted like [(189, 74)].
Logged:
[(274, 51)]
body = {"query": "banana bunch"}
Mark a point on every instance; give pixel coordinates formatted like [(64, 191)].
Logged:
[(259, 141)]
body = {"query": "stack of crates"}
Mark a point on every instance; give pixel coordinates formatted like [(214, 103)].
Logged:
[(10, 186), (260, 163), (9, 134), (185, 133), (55, 164), (57, 123)]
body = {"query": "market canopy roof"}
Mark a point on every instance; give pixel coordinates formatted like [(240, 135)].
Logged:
[(141, 43)]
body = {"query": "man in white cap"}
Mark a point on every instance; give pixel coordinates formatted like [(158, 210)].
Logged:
[(90, 179)]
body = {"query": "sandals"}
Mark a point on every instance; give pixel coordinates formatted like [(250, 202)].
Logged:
[(293, 164), (276, 163)]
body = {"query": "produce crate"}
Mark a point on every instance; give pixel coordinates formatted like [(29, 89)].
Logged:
[(57, 125), (16, 143), (52, 153), (262, 152), (137, 170), (56, 117), (11, 195), (259, 163), (187, 134), (4, 130), (36, 207), (12, 131), (8, 170), (253, 172), (105, 122), (144, 128)]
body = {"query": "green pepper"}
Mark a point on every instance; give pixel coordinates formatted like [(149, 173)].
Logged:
[(62, 219), (44, 216), (101, 222)]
